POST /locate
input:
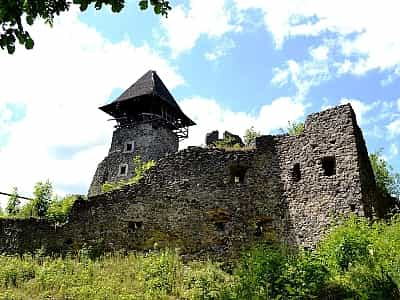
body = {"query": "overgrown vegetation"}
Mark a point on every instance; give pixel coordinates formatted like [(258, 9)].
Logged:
[(357, 260), (250, 136), (387, 181), (44, 204), (227, 143), (295, 128), (140, 168)]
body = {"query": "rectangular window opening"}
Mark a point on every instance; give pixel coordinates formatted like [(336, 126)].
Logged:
[(262, 225), (329, 165), (123, 169), (296, 173), (219, 226), (237, 173), (135, 225), (129, 146)]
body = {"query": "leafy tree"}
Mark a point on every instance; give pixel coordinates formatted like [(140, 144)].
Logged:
[(13, 15), (250, 136), (387, 181), (13, 203), (43, 192), (295, 128), (59, 208)]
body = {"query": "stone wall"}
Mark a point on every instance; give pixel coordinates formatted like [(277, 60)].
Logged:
[(211, 201), (26, 235), (150, 142)]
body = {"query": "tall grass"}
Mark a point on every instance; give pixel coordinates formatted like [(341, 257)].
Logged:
[(357, 260)]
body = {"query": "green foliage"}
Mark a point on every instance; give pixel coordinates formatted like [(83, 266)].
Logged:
[(26, 210), (43, 192), (14, 13), (362, 259), (356, 260), (155, 276), (13, 203), (227, 143), (59, 209), (295, 128), (387, 181), (270, 272), (140, 168), (250, 136)]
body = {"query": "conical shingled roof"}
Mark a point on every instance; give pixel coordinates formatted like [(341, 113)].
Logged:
[(147, 85)]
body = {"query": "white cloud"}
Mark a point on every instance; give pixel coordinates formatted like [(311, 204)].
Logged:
[(303, 75), (184, 26), (220, 50), (71, 71), (394, 128), (360, 108), (363, 31), (209, 116), (320, 53)]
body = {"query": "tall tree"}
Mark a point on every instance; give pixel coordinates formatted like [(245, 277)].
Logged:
[(43, 192), (14, 14), (13, 203), (387, 181)]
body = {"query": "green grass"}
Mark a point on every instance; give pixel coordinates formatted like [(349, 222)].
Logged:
[(357, 260)]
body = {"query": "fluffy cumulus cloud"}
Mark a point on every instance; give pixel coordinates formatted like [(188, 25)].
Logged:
[(348, 42), (185, 25), (209, 116), (71, 71)]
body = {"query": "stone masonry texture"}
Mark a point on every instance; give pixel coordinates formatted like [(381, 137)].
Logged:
[(210, 201)]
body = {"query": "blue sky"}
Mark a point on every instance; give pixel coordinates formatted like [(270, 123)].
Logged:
[(230, 64)]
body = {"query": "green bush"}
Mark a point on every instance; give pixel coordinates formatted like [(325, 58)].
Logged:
[(59, 209), (358, 259)]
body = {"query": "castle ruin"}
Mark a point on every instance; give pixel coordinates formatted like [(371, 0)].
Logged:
[(207, 200)]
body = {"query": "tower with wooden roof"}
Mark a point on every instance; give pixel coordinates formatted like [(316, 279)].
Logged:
[(149, 124)]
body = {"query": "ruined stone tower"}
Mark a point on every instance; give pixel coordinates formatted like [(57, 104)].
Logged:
[(149, 124)]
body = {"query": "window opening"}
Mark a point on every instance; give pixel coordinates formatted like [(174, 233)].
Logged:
[(353, 207), (219, 226), (68, 241), (329, 165), (123, 169), (262, 225), (296, 173), (129, 146), (134, 225), (238, 174)]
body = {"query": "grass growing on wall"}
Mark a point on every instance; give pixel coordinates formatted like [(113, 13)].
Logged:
[(140, 168), (357, 260)]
